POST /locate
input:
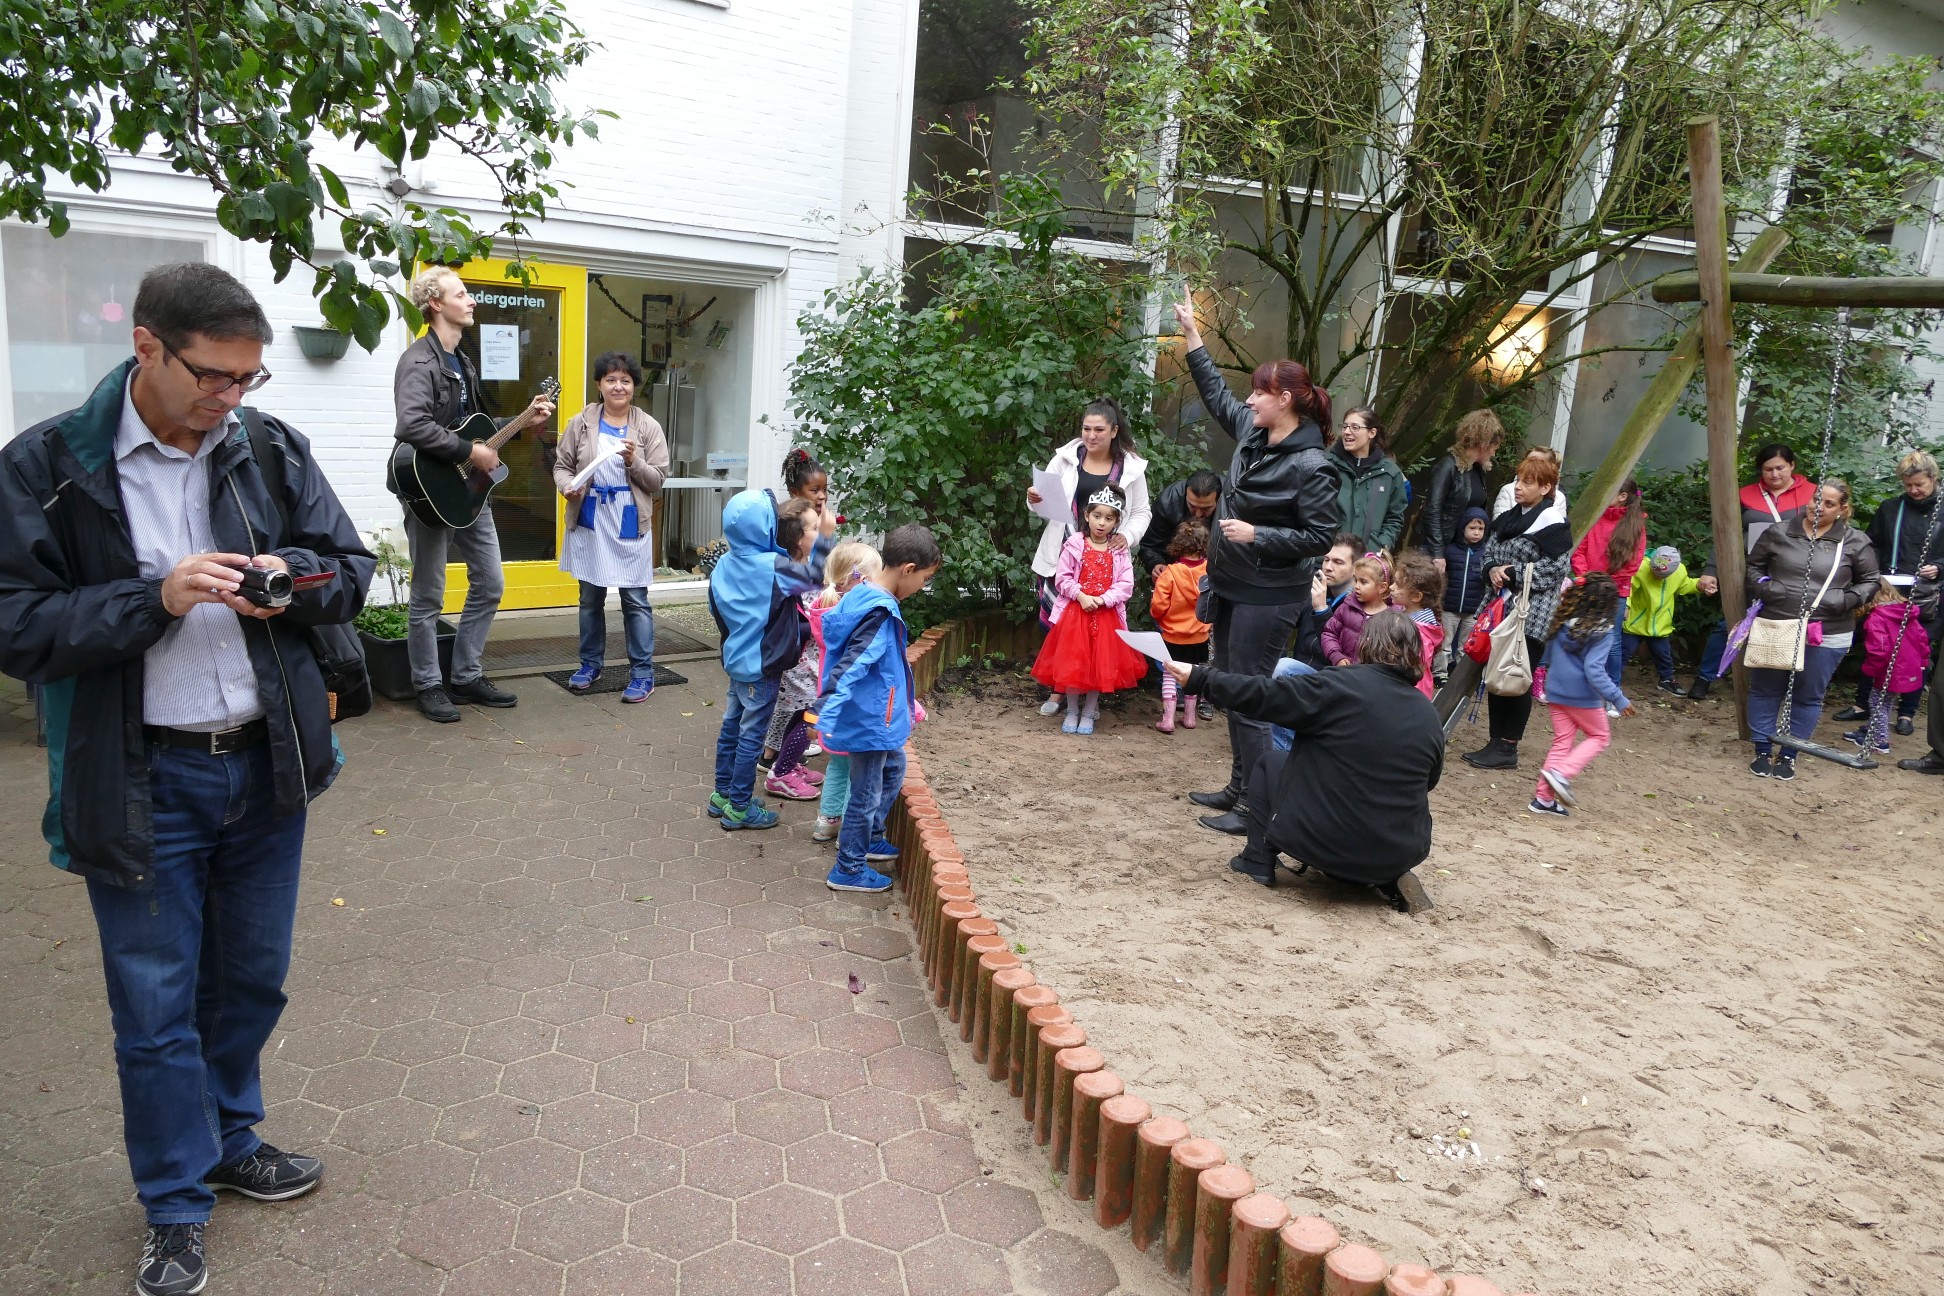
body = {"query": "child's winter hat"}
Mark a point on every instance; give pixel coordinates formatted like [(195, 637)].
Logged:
[(1465, 519), (1664, 560)]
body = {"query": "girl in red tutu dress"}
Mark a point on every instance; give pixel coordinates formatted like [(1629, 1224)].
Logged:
[(1082, 656)]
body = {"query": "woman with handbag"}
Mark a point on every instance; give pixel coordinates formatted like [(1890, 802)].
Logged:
[(1528, 554), (1811, 573), (1276, 517)]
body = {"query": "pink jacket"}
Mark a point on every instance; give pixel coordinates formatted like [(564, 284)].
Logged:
[(1343, 632), (1431, 636), (1880, 629), (1066, 579)]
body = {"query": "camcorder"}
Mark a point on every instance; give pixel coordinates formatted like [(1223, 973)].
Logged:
[(264, 586)]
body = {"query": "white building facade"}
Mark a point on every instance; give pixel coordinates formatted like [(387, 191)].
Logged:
[(758, 158)]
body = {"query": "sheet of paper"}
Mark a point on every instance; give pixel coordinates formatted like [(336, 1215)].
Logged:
[(499, 352), (1148, 643), (1054, 505), (586, 474)]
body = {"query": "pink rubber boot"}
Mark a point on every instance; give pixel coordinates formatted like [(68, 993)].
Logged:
[(1188, 712)]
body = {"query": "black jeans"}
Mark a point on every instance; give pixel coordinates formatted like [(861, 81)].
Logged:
[(1509, 714), (1249, 638), (1263, 776)]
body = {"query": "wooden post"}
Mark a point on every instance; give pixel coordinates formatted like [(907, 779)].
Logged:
[(1718, 366), (1895, 292), (1660, 397)]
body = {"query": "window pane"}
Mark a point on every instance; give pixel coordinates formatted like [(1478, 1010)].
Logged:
[(69, 302)]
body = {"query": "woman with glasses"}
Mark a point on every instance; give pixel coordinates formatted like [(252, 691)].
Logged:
[(1374, 493)]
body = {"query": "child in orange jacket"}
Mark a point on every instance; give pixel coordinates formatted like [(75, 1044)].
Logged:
[(1177, 589)]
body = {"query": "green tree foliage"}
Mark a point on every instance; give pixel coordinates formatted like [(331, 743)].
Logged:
[(1500, 150), (236, 91), (938, 411)]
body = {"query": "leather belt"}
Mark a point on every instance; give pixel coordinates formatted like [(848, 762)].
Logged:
[(220, 743)]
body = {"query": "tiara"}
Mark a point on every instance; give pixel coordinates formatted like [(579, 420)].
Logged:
[(1105, 495)]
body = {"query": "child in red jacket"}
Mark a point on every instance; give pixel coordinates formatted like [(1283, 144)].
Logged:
[(1616, 545), (1890, 666)]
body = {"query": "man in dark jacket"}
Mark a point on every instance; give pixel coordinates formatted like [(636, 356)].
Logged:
[(434, 388), (188, 726), (1194, 498)]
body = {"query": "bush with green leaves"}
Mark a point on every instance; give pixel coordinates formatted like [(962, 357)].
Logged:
[(938, 411)]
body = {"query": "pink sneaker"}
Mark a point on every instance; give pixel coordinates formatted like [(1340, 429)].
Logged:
[(790, 787), (808, 775)]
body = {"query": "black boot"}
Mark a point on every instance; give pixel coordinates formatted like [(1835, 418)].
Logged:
[(1235, 823), (1699, 689), (1254, 870), (1224, 800), (1494, 755)]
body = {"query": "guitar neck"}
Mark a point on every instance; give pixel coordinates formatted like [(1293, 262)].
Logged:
[(505, 434)]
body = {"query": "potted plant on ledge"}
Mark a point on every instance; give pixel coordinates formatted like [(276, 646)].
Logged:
[(382, 627)]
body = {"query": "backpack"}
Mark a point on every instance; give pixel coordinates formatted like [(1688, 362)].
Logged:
[(340, 656)]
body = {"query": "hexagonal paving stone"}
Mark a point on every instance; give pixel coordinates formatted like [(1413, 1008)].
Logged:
[(772, 970), (878, 943), (413, 1176), (599, 1038), (992, 1212), (418, 1042), (680, 1223), (690, 969), (910, 1070), (729, 1001), (528, 1171), (455, 1229), (685, 1118), (821, 1073), (510, 1273), (640, 1076), (547, 1078), (734, 1165), (1063, 1265), (951, 1266), (810, 1001), (624, 1271), (833, 1163), (450, 1081), (780, 1117), (929, 1160), (774, 1035), (385, 1124), (487, 1123), (631, 1168), (786, 1218), (847, 1268), (561, 1004), (732, 1074), (587, 1120), (859, 1034), (355, 1083), (572, 1226), (687, 1036), (892, 1216)]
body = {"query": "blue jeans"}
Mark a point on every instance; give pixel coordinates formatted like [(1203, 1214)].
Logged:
[(1287, 668), (875, 778), (1616, 656), (745, 719), (836, 787), (1661, 649), (1712, 651), (1766, 687), (637, 623), (195, 964)]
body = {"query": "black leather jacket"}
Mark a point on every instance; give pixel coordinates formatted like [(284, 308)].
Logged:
[(1288, 492), (1445, 500), (425, 395)]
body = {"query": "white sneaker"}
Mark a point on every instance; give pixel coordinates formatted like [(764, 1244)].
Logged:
[(826, 829), (812, 750), (1613, 712), (1052, 705)]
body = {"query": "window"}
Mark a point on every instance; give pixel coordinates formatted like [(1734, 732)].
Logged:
[(69, 307)]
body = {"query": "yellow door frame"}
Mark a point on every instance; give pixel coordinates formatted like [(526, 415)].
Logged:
[(540, 584)]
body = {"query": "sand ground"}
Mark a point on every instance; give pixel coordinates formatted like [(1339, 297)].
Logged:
[(1691, 1040)]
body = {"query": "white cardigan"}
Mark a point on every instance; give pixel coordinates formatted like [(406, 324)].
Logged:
[(1133, 523)]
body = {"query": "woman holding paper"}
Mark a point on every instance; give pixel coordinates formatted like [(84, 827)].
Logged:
[(613, 459), (1102, 455)]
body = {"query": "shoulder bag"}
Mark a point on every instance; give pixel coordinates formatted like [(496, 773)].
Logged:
[(1782, 645), (1508, 668)]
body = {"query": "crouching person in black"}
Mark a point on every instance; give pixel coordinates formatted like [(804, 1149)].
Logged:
[(1352, 795), (188, 725)]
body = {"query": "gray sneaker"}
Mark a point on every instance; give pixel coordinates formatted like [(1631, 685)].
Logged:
[(172, 1261), (268, 1174)]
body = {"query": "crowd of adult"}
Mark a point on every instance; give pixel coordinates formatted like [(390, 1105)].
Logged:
[(1304, 501)]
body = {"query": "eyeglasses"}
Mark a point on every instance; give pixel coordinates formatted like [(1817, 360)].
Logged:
[(216, 381)]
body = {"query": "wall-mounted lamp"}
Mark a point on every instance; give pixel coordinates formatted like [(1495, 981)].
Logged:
[(1518, 343)]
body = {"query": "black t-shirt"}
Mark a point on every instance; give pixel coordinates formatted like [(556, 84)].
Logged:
[(458, 369), (1083, 490)]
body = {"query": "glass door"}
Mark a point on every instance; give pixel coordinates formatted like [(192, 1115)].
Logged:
[(522, 333)]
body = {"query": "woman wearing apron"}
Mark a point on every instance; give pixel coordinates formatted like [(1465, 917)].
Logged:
[(610, 536)]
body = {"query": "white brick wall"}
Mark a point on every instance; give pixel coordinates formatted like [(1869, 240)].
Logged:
[(737, 127)]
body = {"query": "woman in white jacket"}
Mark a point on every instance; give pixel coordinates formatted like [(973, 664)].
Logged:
[(1102, 453)]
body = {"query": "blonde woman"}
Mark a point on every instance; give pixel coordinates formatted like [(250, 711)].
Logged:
[(1458, 482)]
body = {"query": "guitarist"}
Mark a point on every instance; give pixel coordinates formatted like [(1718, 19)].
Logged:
[(434, 388)]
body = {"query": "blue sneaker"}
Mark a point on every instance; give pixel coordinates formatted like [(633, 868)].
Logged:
[(718, 804), (583, 679), (858, 879), (639, 687), (880, 852), (754, 815)]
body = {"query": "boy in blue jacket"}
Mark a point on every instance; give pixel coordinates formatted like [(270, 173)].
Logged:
[(1465, 587), (865, 705), (776, 554)]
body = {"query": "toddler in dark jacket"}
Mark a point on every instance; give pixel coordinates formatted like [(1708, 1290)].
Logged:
[(1465, 586)]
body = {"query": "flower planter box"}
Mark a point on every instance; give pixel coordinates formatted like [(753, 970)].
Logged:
[(390, 666)]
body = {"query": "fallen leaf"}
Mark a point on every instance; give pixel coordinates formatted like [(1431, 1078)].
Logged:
[(60, 942), (46, 1087), (377, 832), (856, 985), (630, 1021), (688, 713), (640, 898), (338, 901)]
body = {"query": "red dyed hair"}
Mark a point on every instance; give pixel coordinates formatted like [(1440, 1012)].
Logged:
[(1307, 399)]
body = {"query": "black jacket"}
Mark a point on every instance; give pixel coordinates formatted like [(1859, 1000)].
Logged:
[(1170, 510), (1288, 492), (1445, 500), (1898, 530), (1784, 569), (1354, 800), (76, 617), (425, 396)]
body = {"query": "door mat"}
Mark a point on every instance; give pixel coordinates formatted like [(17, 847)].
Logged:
[(615, 678)]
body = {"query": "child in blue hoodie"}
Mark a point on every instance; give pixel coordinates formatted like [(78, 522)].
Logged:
[(1465, 587), (864, 706), (1578, 688), (775, 555)]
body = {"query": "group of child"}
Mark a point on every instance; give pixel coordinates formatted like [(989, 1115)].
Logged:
[(814, 646)]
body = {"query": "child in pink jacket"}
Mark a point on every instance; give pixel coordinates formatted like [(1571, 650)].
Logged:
[(1082, 656)]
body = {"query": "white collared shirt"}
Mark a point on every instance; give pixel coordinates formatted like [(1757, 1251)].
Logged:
[(198, 675)]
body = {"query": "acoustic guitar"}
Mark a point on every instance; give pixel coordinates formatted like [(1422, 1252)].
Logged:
[(444, 494)]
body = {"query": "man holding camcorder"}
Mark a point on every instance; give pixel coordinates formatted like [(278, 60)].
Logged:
[(159, 596)]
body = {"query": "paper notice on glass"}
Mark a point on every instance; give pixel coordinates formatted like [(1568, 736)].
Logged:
[(586, 474), (1054, 505), (499, 352), (1148, 643)]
